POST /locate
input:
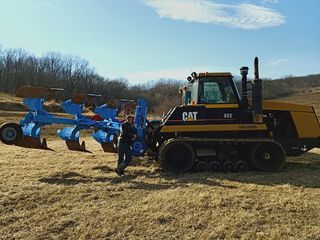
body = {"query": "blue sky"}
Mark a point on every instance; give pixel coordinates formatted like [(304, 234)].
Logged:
[(145, 40)]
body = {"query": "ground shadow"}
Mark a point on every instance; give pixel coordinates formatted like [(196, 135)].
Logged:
[(34, 147), (73, 178), (171, 181), (66, 178), (300, 172), (104, 169)]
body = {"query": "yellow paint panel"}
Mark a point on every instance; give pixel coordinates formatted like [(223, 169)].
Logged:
[(307, 124), (216, 127), (271, 105)]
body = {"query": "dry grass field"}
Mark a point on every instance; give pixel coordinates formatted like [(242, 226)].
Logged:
[(61, 194), (309, 97)]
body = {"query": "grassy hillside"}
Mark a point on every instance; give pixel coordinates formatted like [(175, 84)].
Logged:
[(309, 97), (10, 103)]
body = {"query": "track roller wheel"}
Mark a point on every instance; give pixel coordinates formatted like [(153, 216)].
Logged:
[(228, 166), (202, 166), (176, 156), (228, 154), (215, 166), (10, 133), (267, 157), (241, 166)]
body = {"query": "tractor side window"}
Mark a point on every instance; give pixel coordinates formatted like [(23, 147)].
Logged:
[(216, 90), (209, 93), (227, 94)]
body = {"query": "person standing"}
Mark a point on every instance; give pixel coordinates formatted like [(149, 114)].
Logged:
[(128, 134)]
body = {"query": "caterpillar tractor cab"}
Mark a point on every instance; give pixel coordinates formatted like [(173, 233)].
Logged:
[(208, 92), (217, 129), (210, 88)]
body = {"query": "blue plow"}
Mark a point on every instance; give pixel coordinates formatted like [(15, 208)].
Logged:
[(106, 127)]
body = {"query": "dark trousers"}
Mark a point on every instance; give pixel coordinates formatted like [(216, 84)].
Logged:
[(124, 154)]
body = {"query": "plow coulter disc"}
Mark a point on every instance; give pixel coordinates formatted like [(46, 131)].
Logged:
[(10, 133)]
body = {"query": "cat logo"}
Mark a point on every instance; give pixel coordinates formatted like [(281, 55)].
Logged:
[(189, 116)]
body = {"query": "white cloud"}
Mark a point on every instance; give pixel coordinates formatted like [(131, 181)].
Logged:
[(277, 62), (269, 1), (243, 15)]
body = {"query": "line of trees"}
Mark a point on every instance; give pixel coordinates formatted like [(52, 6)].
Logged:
[(75, 75), (71, 73)]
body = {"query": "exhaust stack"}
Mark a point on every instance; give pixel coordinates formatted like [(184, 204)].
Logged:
[(244, 91), (257, 95)]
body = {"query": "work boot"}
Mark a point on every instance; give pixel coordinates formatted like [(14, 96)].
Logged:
[(117, 171), (120, 170)]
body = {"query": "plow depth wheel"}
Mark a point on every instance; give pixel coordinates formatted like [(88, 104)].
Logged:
[(10, 133), (267, 156), (177, 157), (139, 147)]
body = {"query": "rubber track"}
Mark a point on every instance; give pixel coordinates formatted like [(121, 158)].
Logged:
[(201, 142)]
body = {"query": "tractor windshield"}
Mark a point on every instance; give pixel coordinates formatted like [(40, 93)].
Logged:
[(216, 90)]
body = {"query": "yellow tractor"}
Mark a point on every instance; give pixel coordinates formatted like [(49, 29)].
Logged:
[(217, 129)]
